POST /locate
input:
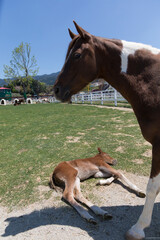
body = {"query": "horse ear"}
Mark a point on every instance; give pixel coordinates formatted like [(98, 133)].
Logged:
[(72, 35), (84, 34), (99, 150)]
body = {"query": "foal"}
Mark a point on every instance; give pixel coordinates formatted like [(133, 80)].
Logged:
[(67, 175)]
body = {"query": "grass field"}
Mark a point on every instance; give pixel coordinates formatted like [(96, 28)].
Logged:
[(34, 138)]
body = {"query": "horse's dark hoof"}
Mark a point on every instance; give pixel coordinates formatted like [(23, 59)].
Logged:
[(141, 195), (93, 221), (107, 216)]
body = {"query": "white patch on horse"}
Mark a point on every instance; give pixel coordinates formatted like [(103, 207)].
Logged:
[(131, 48)]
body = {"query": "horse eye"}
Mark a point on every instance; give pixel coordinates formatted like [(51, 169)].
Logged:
[(77, 55)]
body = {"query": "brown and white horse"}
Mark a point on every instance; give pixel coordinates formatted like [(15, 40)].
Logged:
[(134, 70)]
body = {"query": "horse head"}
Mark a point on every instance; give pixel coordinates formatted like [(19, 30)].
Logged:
[(108, 159), (80, 67)]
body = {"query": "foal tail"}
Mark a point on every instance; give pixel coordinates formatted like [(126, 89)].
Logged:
[(52, 182), (53, 185)]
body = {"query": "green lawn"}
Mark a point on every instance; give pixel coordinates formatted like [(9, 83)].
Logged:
[(34, 138)]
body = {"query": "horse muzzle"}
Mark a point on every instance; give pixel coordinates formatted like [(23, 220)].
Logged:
[(63, 95), (113, 162)]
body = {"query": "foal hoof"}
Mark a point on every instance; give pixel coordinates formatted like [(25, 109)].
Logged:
[(93, 221), (141, 195), (107, 216)]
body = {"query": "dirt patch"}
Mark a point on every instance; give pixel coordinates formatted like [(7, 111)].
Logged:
[(132, 125), (138, 161), (81, 133), (123, 134), (116, 119), (22, 151), (147, 143), (117, 108), (120, 149), (41, 191), (90, 129), (42, 137), (71, 139), (148, 153), (52, 219)]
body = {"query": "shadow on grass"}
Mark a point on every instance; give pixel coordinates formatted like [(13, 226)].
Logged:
[(123, 218)]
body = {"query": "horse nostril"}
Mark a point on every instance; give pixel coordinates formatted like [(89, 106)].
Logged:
[(114, 162), (67, 94)]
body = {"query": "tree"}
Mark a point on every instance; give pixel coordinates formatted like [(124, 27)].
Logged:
[(37, 87), (23, 66), (34, 87)]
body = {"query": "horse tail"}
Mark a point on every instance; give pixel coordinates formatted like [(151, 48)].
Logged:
[(53, 185)]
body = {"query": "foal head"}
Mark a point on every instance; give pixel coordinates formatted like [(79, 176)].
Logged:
[(106, 157), (80, 65)]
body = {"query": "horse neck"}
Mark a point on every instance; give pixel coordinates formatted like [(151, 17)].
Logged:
[(113, 65), (108, 55)]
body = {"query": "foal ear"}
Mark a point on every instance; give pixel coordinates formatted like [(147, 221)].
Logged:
[(84, 34), (72, 35), (99, 150)]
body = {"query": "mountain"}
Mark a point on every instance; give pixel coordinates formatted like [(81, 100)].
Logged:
[(48, 79)]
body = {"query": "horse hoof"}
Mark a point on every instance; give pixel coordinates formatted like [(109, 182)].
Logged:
[(93, 221), (107, 216), (141, 195), (131, 236)]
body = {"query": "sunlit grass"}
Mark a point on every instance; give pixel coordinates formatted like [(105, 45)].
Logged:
[(34, 138)]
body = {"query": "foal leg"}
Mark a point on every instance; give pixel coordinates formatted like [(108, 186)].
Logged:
[(153, 188), (97, 210), (69, 197), (107, 181), (113, 172), (131, 185)]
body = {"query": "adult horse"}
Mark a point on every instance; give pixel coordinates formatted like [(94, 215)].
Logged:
[(134, 70)]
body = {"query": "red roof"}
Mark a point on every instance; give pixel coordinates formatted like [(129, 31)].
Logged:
[(4, 88)]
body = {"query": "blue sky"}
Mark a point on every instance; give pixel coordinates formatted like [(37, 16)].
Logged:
[(44, 24)]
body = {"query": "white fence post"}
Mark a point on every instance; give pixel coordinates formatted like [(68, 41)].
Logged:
[(82, 98), (115, 97), (102, 98), (91, 97)]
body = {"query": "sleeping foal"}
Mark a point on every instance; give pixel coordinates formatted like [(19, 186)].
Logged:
[(67, 175)]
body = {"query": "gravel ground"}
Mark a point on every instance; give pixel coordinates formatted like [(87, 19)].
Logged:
[(53, 219)]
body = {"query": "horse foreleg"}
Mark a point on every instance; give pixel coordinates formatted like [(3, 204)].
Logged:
[(137, 231), (104, 174), (106, 181), (153, 188)]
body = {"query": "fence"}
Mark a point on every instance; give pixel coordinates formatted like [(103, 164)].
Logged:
[(100, 97), (110, 95)]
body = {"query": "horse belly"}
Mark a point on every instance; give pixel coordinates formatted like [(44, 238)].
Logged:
[(86, 173)]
